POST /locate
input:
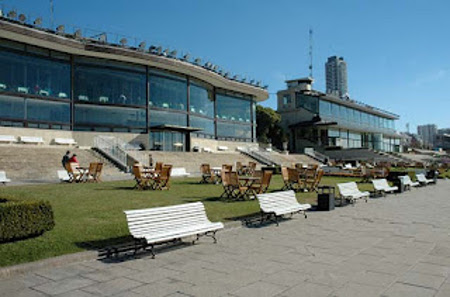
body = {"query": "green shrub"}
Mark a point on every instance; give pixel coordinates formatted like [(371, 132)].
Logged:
[(22, 219)]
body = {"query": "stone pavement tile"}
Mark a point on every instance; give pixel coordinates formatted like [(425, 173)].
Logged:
[(444, 291), (331, 278), (312, 267), (76, 293), (285, 278), (109, 273), (128, 294), (388, 267), (112, 287), (444, 261), (373, 278), (64, 272), (357, 290), (204, 275), (65, 285), (27, 292), (259, 289), (307, 290), (188, 265), (156, 274), (441, 251), (368, 260), (432, 269), (10, 285), (405, 290), (423, 280), (162, 287)]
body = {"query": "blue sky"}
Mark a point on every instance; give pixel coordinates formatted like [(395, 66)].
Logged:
[(398, 52)]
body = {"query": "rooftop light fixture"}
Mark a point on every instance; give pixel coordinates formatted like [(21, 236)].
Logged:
[(252, 81), (152, 49), (243, 80), (186, 57), (197, 61), (123, 42), (166, 52), (12, 14), (158, 50), (235, 77), (142, 46), (60, 29), (227, 75), (215, 68), (77, 34), (265, 87), (173, 54), (38, 22), (22, 18), (103, 38)]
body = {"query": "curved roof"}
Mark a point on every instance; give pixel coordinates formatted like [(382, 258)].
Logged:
[(89, 48)]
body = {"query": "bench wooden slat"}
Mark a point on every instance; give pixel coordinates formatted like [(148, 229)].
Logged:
[(281, 203)]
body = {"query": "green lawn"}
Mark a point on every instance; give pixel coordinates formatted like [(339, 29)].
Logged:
[(91, 215)]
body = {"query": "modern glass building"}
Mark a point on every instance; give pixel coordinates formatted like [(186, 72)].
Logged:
[(55, 81), (314, 119)]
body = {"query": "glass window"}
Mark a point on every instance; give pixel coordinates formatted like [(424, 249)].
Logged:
[(307, 102), (201, 100), (254, 114), (206, 124), (286, 99), (233, 130), (168, 92), (335, 110), (167, 141), (325, 108), (33, 75), (160, 117), (343, 112), (12, 107), (233, 108), (333, 133), (92, 115), (106, 85), (48, 111)]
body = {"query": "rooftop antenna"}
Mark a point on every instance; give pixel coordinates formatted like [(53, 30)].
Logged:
[(51, 14), (310, 52)]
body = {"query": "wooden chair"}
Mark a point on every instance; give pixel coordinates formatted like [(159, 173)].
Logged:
[(98, 173), (309, 178), (263, 186), (294, 181), (251, 168), (315, 185), (162, 180), (74, 173), (285, 176), (158, 167), (208, 176), (143, 182), (239, 168), (237, 191), (227, 167), (91, 172), (226, 184)]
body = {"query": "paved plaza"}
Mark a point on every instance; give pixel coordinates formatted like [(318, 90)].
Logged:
[(394, 246)]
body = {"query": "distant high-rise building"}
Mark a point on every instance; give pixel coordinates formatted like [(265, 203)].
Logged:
[(336, 76), (428, 133)]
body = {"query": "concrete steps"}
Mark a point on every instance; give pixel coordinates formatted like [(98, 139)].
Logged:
[(36, 162)]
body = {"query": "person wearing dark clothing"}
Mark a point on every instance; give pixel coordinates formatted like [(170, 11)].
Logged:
[(65, 159)]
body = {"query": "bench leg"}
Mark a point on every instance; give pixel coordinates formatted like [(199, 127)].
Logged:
[(211, 234)]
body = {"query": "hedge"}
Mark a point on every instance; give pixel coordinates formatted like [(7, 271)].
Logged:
[(22, 219)]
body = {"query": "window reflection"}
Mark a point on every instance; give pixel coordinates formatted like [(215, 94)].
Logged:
[(206, 125), (32, 75), (91, 115), (201, 100), (233, 130), (233, 108), (159, 117), (48, 111), (168, 92), (105, 85)]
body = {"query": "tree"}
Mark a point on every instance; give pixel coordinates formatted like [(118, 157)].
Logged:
[(268, 129)]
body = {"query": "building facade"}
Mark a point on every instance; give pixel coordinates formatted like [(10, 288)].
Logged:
[(82, 87), (336, 76), (428, 133), (323, 121)]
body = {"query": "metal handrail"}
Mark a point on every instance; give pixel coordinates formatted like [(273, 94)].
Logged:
[(111, 147)]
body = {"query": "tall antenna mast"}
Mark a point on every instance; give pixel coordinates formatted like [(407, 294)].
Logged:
[(310, 52), (51, 15)]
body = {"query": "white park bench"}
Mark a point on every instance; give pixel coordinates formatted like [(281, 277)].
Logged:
[(350, 192), (222, 148), (63, 176), (8, 138), (179, 172), (277, 204), (160, 225), (31, 139), (382, 186), (65, 141), (408, 182), (423, 180), (3, 178), (207, 150)]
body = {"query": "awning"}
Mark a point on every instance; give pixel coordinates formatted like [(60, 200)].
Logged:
[(175, 128)]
